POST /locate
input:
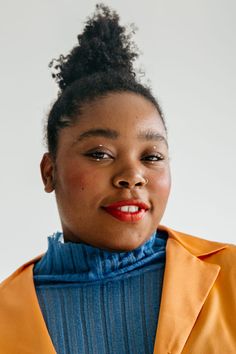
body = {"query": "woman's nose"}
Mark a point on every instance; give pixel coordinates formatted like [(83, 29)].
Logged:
[(130, 180)]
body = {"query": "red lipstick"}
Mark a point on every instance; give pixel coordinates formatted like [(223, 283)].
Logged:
[(131, 210)]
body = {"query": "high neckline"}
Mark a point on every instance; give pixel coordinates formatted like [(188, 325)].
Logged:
[(84, 262)]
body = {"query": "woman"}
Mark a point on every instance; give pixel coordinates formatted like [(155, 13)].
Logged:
[(115, 281)]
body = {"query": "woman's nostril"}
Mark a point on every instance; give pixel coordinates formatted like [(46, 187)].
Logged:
[(130, 182), (124, 184), (139, 184)]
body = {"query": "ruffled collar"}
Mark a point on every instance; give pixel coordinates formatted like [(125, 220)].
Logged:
[(82, 262)]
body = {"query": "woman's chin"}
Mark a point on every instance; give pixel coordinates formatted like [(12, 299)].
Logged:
[(119, 240)]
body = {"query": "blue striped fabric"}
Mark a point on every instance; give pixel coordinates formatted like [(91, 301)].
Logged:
[(96, 301)]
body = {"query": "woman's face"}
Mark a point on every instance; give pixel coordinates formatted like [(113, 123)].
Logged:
[(111, 174)]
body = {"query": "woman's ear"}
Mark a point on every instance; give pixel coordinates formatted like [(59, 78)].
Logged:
[(47, 168)]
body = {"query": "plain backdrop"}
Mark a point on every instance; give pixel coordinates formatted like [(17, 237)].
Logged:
[(188, 53)]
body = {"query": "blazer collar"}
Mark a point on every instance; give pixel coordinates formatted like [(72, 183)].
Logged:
[(198, 247)]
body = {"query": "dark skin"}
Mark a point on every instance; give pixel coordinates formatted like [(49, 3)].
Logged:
[(116, 150)]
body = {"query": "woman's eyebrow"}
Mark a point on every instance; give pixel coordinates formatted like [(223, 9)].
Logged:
[(106, 133), (152, 135), (149, 135)]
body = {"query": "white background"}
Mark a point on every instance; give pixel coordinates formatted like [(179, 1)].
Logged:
[(189, 55)]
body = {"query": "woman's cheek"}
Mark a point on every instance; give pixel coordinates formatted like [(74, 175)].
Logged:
[(84, 182), (79, 182), (161, 183)]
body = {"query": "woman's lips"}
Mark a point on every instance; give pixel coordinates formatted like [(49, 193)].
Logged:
[(127, 210)]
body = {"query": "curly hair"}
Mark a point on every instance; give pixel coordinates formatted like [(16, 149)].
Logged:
[(101, 63)]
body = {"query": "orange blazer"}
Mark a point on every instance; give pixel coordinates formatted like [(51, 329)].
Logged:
[(198, 304)]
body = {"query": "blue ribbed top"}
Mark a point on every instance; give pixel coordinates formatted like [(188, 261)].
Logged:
[(97, 301)]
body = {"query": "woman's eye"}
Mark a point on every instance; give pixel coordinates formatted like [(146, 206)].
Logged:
[(153, 158), (98, 155)]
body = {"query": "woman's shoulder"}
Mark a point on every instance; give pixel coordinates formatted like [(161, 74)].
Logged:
[(222, 253), (199, 246), (22, 270)]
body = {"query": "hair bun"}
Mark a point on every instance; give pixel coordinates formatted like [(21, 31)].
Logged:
[(103, 46)]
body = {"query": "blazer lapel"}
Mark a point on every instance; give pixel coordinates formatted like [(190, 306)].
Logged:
[(187, 283), (22, 326)]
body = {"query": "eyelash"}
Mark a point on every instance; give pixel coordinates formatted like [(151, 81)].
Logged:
[(96, 155), (157, 156), (99, 155)]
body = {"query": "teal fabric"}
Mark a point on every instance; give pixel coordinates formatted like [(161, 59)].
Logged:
[(97, 301)]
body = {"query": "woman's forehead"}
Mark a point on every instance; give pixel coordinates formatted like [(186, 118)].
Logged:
[(118, 103), (120, 112)]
